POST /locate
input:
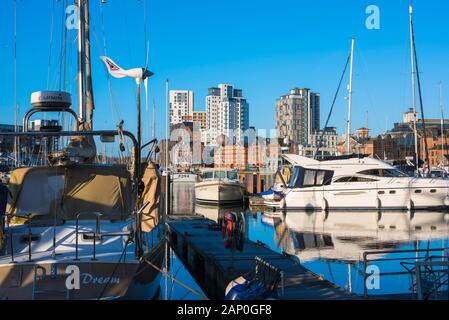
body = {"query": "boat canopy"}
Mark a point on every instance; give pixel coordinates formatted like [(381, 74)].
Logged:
[(150, 196), (64, 192)]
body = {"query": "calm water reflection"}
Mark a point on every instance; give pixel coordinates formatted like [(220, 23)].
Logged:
[(332, 244)]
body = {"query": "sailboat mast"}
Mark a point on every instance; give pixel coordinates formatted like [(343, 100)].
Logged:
[(89, 90), (412, 59), (16, 140), (81, 64), (442, 124), (348, 133)]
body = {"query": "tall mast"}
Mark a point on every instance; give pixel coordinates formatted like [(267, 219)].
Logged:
[(348, 133), (16, 140), (81, 64), (442, 124), (89, 90), (412, 59)]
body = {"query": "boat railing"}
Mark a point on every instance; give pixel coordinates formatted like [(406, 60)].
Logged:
[(416, 264), (96, 234), (430, 277), (101, 133), (29, 235)]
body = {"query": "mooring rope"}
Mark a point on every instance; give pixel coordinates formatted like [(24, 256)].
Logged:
[(176, 280)]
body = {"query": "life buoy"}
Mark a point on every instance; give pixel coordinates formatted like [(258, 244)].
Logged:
[(228, 227), (232, 230)]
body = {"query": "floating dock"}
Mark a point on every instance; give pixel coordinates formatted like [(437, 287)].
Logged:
[(198, 243)]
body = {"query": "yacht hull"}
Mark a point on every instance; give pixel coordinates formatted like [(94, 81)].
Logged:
[(104, 280), (366, 196), (218, 192)]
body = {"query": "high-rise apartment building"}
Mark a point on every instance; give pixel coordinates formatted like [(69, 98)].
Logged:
[(298, 117), (200, 118), (227, 113), (181, 106)]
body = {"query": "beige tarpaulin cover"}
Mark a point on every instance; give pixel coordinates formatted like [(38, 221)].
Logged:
[(285, 173), (93, 188), (70, 190), (35, 191), (151, 194)]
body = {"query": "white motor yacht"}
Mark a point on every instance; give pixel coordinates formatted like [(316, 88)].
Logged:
[(219, 186), (357, 182)]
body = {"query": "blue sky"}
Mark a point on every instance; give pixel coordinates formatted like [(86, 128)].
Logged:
[(264, 47)]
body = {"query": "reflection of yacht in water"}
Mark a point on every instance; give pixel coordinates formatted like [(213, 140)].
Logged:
[(183, 198), (358, 183), (215, 213), (344, 236)]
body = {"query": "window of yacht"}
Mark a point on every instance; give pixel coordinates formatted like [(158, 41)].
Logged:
[(320, 175), (220, 175), (355, 179), (294, 177), (302, 177), (309, 178), (389, 173), (208, 175), (232, 175)]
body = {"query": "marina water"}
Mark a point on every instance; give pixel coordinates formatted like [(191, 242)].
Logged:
[(330, 245)]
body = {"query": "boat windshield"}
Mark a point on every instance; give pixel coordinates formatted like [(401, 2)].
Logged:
[(208, 175), (389, 173), (231, 175)]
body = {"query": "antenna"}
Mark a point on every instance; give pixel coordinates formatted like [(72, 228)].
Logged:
[(442, 124), (348, 147)]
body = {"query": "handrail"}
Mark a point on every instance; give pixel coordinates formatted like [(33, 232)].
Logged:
[(27, 216), (97, 232), (136, 170), (417, 259), (33, 111), (438, 277)]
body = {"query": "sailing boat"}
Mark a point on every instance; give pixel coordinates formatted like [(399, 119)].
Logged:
[(75, 229)]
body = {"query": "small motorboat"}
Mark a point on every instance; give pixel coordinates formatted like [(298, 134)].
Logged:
[(219, 186)]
